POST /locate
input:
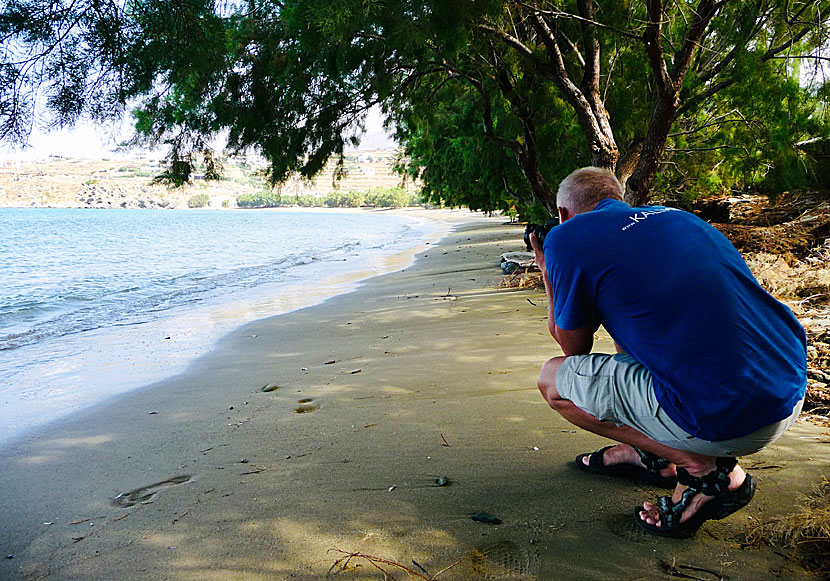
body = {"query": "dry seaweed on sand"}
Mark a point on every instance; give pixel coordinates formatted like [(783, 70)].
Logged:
[(345, 564), (805, 533), (796, 223), (523, 280), (803, 283)]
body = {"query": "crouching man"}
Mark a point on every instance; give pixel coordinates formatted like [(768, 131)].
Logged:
[(709, 366)]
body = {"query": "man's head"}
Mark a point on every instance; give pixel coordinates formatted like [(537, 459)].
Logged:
[(585, 188)]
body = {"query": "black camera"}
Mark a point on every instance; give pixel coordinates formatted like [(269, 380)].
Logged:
[(541, 230)]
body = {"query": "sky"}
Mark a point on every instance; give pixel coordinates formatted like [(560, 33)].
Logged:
[(97, 142)]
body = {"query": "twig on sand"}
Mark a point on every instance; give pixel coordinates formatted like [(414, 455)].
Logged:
[(417, 564), (343, 563), (256, 470), (674, 570), (810, 298), (83, 520), (447, 444), (212, 447)]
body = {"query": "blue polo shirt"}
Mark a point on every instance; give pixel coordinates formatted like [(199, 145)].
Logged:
[(726, 357)]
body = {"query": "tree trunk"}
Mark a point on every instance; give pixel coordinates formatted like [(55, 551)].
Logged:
[(585, 99), (638, 186), (668, 84), (628, 161), (539, 187)]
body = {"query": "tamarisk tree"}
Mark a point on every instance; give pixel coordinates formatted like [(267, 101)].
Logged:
[(492, 101), (726, 87)]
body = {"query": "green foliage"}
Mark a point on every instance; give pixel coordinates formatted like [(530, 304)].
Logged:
[(377, 197), (388, 198), (337, 199), (198, 201), (445, 149), (263, 199), (307, 201), (226, 203)]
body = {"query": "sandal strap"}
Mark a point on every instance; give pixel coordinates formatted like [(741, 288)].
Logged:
[(716, 483), (652, 462), (597, 459), (671, 512)]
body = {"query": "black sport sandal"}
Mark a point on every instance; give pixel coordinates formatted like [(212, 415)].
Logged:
[(714, 484), (650, 474)]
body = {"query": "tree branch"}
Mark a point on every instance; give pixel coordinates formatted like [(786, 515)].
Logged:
[(556, 14), (798, 14), (556, 70), (717, 121), (487, 112), (683, 58), (803, 56), (769, 55), (694, 149), (610, 73), (741, 43), (511, 40), (717, 68), (774, 51), (654, 49), (590, 78), (570, 44)]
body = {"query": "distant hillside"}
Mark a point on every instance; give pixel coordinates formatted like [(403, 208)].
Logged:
[(364, 170), (81, 183)]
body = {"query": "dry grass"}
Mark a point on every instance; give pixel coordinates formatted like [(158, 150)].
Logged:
[(789, 279), (525, 279), (805, 533)]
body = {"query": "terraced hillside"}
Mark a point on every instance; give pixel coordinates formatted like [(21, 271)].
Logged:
[(83, 183)]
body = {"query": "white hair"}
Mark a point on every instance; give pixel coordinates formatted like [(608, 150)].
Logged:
[(585, 188)]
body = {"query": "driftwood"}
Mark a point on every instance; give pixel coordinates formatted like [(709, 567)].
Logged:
[(796, 237), (512, 262), (795, 224)]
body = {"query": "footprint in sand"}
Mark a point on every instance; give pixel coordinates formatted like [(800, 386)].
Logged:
[(145, 494), (502, 560), (307, 405), (624, 527)]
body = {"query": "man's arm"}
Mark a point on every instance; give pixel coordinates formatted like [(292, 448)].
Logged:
[(574, 342)]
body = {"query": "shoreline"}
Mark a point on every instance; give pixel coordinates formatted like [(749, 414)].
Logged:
[(227, 481), (71, 372)]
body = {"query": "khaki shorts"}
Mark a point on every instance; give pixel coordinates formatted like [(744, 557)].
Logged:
[(618, 389)]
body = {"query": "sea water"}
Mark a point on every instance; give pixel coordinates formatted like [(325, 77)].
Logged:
[(97, 302)]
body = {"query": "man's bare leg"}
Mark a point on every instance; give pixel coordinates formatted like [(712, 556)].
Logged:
[(695, 464)]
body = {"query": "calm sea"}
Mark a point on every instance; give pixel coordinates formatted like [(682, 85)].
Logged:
[(96, 302)]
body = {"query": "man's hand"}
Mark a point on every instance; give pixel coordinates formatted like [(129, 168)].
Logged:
[(539, 251)]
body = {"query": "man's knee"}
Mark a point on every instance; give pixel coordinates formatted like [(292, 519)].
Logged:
[(547, 381)]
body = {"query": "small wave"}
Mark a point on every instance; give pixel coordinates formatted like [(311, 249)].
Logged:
[(76, 298), (131, 305), (12, 311)]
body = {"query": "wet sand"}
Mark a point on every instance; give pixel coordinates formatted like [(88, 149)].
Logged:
[(420, 374)]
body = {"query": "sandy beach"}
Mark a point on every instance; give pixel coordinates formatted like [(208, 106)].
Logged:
[(427, 373)]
